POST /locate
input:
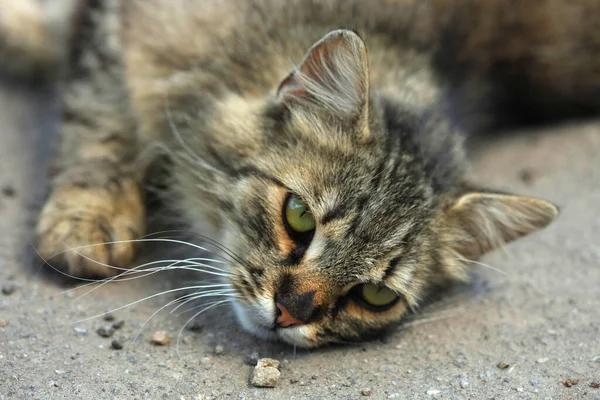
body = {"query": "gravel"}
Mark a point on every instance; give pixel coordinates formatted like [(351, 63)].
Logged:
[(160, 338), (116, 345), (105, 331), (251, 358), (8, 288), (266, 373), (80, 331), (118, 324)]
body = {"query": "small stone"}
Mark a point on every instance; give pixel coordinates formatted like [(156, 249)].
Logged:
[(502, 365), (204, 360), (464, 383), (80, 331), (266, 373), (9, 191), (519, 389), (116, 345), (595, 385), (219, 350), (387, 368), (252, 358), (526, 175), (195, 326), (109, 317), (460, 363), (366, 392), (395, 396), (542, 360), (105, 331), (160, 338), (433, 392), (118, 324), (571, 382), (8, 288), (3, 323), (596, 359)]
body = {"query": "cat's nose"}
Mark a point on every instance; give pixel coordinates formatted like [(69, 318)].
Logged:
[(294, 309)]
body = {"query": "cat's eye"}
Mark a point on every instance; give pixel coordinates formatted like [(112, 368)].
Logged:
[(298, 216), (378, 298)]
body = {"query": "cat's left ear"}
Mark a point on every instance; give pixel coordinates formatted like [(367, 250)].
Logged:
[(478, 222), (333, 76)]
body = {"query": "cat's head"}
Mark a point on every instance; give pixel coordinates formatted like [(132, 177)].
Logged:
[(343, 208)]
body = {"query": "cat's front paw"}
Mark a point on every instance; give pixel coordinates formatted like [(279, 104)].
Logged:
[(79, 225)]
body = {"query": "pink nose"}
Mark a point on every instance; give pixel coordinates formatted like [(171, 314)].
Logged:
[(285, 319)]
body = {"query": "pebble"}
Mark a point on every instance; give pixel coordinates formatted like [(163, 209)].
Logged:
[(387, 368), (526, 175), (570, 382), (8, 288), (3, 323), (118, 324), (433, 392), (519, 389), (219, 350), (195, 327), (266, 373), (366, 392), (464, 383), (105, 331), (8, 191), (252, 358), (395, 396), (595, 385), (542, 360), (116, 345), (80, 331), (160, 338), (109, 317), (502, 365)]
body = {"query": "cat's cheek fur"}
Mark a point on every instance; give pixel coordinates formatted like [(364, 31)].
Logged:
[(254, 320)]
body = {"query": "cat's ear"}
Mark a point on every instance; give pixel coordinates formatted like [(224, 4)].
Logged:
[(334, 76), (478, 222)]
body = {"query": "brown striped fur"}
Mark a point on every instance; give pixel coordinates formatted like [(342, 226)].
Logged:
[(253, 100)]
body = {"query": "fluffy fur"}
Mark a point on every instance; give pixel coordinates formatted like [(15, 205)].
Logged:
[(251, 101)]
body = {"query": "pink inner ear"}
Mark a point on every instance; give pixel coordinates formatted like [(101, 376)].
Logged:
[(290, 87), (333, 74)]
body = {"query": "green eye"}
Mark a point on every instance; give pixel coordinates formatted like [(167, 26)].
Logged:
[(298, 216), (377, 296)]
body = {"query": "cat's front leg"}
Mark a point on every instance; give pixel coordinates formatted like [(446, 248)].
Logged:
[(88, 225)]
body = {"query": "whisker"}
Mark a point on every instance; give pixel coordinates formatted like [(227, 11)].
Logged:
[(483, 265), (231, 294), (218, 303), (193, 295), (141, 300)]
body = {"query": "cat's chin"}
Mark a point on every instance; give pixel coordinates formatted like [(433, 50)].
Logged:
[(254, 320)]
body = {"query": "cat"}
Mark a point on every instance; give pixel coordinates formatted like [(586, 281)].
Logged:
[(321, 144)]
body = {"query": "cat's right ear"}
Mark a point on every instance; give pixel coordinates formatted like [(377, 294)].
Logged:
[(333, 76)]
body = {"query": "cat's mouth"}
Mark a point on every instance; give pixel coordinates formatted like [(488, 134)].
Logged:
[(260, 320)]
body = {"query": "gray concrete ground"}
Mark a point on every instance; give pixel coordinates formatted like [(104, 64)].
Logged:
[(538, 310)]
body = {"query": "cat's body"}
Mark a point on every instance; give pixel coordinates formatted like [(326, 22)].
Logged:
[(258, 102)]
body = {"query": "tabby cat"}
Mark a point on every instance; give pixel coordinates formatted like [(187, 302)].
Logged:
[(321, 142)]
